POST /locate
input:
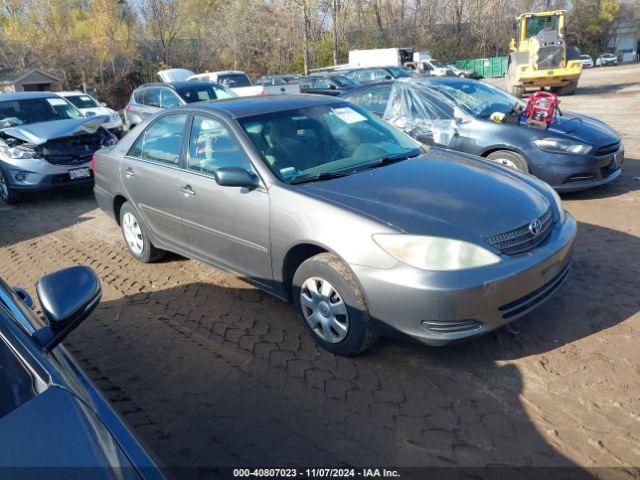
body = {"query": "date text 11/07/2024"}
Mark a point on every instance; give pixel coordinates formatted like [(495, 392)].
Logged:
[(316, 472)]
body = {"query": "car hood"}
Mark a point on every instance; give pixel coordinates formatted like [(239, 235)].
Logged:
[(98, 111), (585, 129), (41, 132), (438, 193)]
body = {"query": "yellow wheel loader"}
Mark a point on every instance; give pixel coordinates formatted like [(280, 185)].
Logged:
[(539, 55)]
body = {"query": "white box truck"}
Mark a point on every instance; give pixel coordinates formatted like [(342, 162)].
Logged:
[(380, 57)]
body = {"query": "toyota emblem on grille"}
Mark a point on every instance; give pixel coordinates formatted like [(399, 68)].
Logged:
[(535, 227)]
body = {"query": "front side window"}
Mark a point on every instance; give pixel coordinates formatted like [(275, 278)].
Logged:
[(162, 140), (168, 99), (83, 101), (211, 146), (17, 385), (33, 110), (335, 139), (233, 80)]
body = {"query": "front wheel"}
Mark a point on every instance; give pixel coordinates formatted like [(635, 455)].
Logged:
[(8, 193), (331, 306), (136, 236), (509, 159)]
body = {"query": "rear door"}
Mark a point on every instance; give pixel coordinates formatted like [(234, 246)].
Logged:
[(228, 226), (150, 173)]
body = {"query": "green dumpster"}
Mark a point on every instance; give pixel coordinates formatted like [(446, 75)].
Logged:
[(485, 67)]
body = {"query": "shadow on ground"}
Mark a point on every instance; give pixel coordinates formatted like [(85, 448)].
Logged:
[(43, 210), (211, 376)]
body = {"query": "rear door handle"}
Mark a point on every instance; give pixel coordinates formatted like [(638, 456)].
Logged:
[(188, 191), (129, 172)]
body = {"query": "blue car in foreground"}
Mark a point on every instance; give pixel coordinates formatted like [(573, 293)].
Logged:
[(53, 421), (576, 152)]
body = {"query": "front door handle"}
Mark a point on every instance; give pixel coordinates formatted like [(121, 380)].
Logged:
[(129, 172), (187, 190)]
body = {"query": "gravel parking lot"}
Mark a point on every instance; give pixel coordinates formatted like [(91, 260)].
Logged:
[(211, 372)]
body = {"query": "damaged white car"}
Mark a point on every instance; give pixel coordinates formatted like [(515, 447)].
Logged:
[(46, 143)]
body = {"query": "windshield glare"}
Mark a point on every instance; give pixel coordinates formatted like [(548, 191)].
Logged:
[(400, 72), (478, 98), (83, 101), (33, 110), (324, 139), (204, 93)]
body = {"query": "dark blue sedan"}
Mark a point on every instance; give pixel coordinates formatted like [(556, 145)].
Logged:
[(575, 153), (53, 421)]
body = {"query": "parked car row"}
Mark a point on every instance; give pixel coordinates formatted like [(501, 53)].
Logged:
[(604, 60)]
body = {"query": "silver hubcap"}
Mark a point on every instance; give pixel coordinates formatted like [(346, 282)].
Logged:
[(132, 233), (506, 162), (4, 188), (324, 310)]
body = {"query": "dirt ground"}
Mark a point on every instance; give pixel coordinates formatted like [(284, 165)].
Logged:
[(211, 372)]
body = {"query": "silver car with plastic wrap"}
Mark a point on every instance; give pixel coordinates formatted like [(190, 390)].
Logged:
[(46, 143), (322, 204)]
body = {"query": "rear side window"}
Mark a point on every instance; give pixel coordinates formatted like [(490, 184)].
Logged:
[(212, 146), (162, 140), (152, 97), (138, 96)]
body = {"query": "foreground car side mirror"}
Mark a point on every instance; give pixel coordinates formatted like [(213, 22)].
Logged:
[(235, 177), (67, 297)]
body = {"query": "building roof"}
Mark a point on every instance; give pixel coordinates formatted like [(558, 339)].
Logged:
[(15, 75)]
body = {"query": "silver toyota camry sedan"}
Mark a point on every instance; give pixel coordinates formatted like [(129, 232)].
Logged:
[(365, 231)]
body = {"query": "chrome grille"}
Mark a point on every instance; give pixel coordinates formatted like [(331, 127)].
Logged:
[(522, 239)]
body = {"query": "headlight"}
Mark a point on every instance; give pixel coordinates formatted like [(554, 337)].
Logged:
[(18, 152), (435, 253), (560, 145), (558, 204)]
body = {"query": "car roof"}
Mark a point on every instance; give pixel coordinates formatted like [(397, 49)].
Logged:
[(72, 93), (247, 106), (26, 95), (176, 85)]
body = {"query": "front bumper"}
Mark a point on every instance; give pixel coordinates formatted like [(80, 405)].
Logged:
[(41, 175), (553, 77), (572, 173), (438, 308)]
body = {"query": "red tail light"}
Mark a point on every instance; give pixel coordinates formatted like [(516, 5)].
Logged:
[(93, 163), (127, 108)]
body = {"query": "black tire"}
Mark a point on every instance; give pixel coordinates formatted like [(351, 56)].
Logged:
[(360, 333), (149, 253), (516, 159), (568, 89), (7, 192)]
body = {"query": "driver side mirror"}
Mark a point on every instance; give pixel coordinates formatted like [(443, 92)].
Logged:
[(235, 177), (388, 77), (332, 86), (67, 297), (90, 114)]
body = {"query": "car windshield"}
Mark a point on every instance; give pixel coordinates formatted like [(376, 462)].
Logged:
[(607, 55), (536, 24), (233, 80), (325, 141), (436, 64), (343, 81), (33, 110), (83, 101), (398, 72), (478, 98), (204, 93)]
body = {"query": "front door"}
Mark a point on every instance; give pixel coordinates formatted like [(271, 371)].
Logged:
[(151, 175), (228, 226)]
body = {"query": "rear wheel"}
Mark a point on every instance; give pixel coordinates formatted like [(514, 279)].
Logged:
[(331, 306), (509, 159), (8, 193), (513, 87), (568, 89), (136, 236)]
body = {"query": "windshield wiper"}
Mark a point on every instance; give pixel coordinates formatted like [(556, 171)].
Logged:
[(398, 157), (317, 177)]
